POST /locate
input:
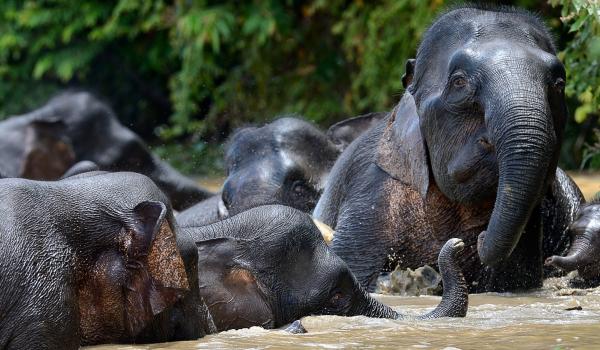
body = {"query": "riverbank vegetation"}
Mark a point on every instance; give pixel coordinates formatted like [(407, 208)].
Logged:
[(184, 74)]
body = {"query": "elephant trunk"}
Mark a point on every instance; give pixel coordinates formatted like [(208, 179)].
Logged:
[(583, 252), (455, 300), (526, 148)]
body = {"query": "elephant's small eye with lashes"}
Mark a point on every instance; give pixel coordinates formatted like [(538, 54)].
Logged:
[(559, 84), (300, 187), (338, 300), (459, 82)]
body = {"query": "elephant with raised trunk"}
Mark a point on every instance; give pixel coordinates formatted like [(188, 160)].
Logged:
[(470, 151), (269, 266)]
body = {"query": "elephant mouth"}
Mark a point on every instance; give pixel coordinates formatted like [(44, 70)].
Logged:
[(476, 157)]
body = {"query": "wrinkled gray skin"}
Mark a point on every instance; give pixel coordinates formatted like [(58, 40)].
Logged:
[(469, 152), (75, 127), (269, 266), (283, 162), (86, 260), (584, 253)]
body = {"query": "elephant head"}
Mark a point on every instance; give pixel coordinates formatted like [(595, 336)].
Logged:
[(129, 267), (269, 266), (88, 260), (284, 162), (584, 253), (489, 93)]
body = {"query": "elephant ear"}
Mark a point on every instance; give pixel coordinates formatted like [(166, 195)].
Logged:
[(152, 247), (409, 72), (346, 131), (85, 166), (235, 297), (48, 152), (401, 152), (130, 283)]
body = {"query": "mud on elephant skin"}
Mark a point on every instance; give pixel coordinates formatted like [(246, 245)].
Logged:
[(76, 126), (283, 162), (470, 151), (86, 260), (269, 266)]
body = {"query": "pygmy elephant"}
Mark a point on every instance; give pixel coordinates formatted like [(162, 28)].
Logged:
[(86, 260), (283, 162), (73, 127), (269, 266), (470, 151)]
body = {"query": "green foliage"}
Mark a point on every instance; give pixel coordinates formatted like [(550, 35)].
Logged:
[(191, 71), (582, 54), (225, 63)]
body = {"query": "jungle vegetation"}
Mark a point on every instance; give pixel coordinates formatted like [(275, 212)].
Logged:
[(185, 73)]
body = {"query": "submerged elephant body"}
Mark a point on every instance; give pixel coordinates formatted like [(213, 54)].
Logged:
[(86, 260), (73, 127), (269, 266), (470, 152)]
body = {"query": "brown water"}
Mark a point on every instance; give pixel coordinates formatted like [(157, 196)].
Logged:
[(536, 320)]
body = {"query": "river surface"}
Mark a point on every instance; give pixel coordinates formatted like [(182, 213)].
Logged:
[(534, 320)]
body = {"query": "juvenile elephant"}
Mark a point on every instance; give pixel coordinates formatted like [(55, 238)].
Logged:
[(283, 162), (269, 266), (470, 151), (584, 253), (88, 260), (73, 127)]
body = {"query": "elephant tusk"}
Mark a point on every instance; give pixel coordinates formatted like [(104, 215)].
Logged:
[(326, 231), (222, 210)]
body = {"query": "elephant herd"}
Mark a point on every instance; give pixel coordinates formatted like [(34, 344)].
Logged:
[(103, 242)]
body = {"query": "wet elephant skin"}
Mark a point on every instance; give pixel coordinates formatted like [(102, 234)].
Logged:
[(86, 260), (470, 152)]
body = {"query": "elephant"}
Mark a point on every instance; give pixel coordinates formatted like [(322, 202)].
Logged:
[(269, 266), (470, 151), (76, 126), (584, 253), (88, 260), (283, 162)]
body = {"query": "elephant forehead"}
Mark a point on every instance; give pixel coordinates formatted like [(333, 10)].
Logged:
[(501, 50)]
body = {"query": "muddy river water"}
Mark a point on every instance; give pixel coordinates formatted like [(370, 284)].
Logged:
[(534, 320)]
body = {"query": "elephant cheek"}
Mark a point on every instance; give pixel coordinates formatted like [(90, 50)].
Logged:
[(100, 301)]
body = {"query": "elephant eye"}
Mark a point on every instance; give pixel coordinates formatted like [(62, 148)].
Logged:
[(559, 84), (299, 187), (459, 82), (336, 298)]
